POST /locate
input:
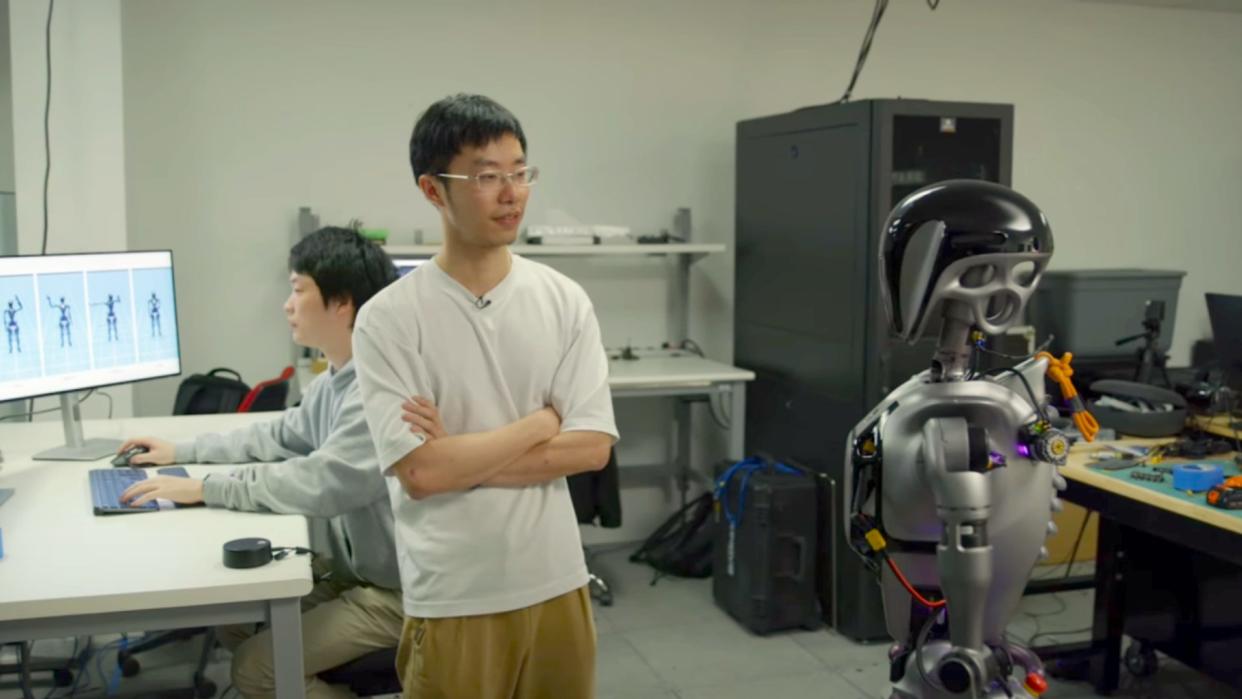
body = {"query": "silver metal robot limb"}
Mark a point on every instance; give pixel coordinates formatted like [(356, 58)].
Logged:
[(963, 557)]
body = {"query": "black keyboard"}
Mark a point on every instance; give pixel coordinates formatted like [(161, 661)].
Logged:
[(107, 484)]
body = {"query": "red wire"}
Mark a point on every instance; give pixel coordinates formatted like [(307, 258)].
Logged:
[(910, 588)]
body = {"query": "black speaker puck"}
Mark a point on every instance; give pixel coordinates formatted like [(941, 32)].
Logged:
[(247, 553)]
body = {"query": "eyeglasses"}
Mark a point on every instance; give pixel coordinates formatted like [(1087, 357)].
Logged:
[(490, 181)]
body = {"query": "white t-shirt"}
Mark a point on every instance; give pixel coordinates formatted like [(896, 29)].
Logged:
[(533, 341)]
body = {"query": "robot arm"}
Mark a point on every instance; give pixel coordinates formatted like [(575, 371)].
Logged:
[(957, 463)]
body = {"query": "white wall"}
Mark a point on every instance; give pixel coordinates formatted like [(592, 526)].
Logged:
[(8, 226), (238, 112), (6, 103), (87, 189)]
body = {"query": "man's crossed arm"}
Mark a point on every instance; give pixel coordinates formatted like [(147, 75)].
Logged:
[(526, 452)]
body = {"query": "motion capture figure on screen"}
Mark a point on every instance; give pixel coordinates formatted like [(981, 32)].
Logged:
[(66, 317), (11, 330), (111, 304), (153, 310)]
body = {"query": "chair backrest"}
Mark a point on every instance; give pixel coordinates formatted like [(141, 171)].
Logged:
[(212, 392), (268, 395)]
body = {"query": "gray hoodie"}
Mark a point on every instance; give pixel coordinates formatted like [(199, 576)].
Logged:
[(323, 464)]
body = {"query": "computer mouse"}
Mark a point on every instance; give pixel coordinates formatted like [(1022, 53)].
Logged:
[(123, 458)]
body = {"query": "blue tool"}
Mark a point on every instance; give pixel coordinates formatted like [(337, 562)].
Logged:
[(1197, 477)]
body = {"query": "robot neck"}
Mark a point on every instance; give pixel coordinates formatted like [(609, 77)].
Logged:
[(952, 359)]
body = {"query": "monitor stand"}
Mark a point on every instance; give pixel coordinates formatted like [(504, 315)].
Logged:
[(75, 447)]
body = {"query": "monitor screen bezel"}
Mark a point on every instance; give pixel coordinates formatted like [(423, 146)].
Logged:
[(419, 261), (176, 323), (1231, 375)]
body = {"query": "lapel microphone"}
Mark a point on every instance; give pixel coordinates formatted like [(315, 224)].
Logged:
[(481, 303)]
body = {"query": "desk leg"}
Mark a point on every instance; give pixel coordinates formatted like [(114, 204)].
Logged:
[(23, 678), (285, 617), (682, 419), (737, 420), (1108, 622)]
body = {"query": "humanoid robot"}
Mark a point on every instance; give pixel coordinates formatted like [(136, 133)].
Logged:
[(11, 329), (66, 320), (153, 310), (951, 480), (111, 317)]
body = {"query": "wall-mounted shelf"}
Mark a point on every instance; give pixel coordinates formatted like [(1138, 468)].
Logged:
[(684, 254)]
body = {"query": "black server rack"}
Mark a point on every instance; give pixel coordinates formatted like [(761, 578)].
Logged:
[(814, 187)]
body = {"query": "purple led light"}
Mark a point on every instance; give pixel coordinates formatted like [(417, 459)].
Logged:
[(1024, 450)]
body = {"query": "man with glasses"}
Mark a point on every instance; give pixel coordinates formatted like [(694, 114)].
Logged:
[(509, 350)]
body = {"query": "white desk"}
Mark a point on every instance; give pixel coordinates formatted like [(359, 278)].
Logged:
[(66, 571), (686, 377)]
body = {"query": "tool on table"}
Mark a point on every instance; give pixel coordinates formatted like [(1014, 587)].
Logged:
[(1227, 495), (1197, 478)]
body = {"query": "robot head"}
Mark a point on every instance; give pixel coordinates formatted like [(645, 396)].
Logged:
[(977, 243)]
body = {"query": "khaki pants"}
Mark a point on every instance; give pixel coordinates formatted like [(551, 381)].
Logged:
[(543, 651), (340, 622)]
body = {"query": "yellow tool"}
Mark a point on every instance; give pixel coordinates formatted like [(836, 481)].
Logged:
[(1060, 371)]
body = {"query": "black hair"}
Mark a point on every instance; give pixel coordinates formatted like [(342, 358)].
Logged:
[(344, 265), (454, 123)]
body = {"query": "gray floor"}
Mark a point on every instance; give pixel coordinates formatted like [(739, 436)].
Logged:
[(669, 640)]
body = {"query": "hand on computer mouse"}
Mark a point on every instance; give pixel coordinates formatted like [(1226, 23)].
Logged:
[(158, 452)]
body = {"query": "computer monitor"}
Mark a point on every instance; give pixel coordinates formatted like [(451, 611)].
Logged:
[(405, 265), (1225, 314), (75, 322)]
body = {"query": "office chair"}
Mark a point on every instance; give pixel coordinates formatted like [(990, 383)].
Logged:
[(597, 500), (268, 395), (61, 669), (373, 674), (596, 584), (201, 687)]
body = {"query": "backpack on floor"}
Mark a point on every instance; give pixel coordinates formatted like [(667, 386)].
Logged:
[(682, 546)]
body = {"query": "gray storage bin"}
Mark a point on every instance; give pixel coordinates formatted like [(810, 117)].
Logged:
[(1088, 310)]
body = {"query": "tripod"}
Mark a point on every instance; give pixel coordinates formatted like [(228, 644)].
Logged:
[(1149, 356)]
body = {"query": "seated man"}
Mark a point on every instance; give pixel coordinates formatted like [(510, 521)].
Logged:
[(323, 465)]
